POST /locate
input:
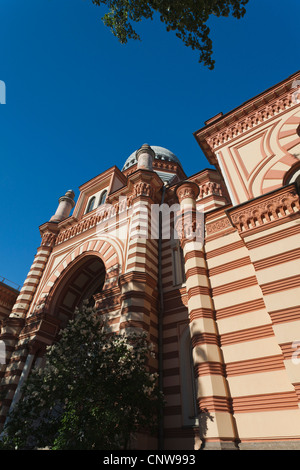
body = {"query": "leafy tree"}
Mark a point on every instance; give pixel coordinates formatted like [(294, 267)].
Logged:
[(94, 392), (187, 18)]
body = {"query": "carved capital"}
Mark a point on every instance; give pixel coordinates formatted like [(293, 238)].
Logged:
[(143, 189), (48, 233), (48, 239), (187, 190)]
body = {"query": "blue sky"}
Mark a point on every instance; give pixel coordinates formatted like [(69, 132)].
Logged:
[(78, 102)]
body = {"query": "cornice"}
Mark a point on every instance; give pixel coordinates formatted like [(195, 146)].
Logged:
[(252, 113), (265, 210), (100, 178)]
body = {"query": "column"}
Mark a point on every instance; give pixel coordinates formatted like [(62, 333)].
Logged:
[(216, 424)]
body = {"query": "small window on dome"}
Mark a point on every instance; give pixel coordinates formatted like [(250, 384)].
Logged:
[(102, 198), (91, 204)]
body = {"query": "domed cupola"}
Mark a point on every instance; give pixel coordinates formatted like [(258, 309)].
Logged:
[(163, 163)]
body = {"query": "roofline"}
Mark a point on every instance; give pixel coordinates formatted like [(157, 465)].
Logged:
[(220, 117)]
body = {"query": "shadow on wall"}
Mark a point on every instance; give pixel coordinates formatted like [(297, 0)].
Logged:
[(204, 418), (193, 417)]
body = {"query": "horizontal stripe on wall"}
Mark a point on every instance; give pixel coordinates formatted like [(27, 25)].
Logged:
[(266, 402), (280, 285), (209, 368), (277, 259), (197, 270), (238, 263), (199, 290), (201, 313), (243, 307), (275, 236), (172, 410), (235, 285), (172, 390), (254, 366), (225, 249), (248, 334), (288, 350), (214, 403), (204, 338), (285, 315), (193, 254), (174, 371)]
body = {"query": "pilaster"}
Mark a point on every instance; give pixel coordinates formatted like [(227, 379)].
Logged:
[(217, 427), (13, 332)]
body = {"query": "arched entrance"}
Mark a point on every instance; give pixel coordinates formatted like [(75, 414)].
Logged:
[(83, 279)]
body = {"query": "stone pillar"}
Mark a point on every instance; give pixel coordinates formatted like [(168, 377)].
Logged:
[(145, 156), (139, 282), (216, 425), (16, 348), (66, 204), (10, 330)]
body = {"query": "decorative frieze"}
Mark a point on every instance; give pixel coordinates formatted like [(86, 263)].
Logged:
[(209, 188), (265, 210), (253, 119), (107, 212), (48, 239), (217, 226)]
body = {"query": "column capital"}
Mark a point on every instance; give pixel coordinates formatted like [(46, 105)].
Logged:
[(187, 190)]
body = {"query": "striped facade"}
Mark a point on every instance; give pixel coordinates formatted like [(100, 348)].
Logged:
[(220, 301)]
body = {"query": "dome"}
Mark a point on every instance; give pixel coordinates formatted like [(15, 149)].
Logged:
[(160, 153)]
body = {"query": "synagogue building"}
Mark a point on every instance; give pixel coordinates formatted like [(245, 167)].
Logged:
[(207, 264)]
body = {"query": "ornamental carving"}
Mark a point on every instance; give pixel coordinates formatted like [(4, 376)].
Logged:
[(209, 188), (101, 215), (251, 121), (189, 226), (271, 209), (217, 226), (188, 190), (48, 239), (143, 189)]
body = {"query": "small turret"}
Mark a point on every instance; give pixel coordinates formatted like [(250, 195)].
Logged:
[(66, 204), (145, 156)]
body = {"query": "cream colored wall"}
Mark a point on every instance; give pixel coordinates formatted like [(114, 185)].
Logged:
[(240, 348), (247, 158)]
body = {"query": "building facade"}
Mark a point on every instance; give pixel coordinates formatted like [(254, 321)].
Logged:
[(208, 265)]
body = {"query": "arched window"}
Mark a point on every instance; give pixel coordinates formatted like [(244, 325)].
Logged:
[(91, 204), (102, 198), (293, 176), (178, 265), (188, 381)]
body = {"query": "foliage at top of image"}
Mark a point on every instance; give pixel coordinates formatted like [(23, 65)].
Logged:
[(187, 18), (95, 391)]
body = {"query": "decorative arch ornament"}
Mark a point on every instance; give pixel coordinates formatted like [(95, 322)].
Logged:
[(108, 250)]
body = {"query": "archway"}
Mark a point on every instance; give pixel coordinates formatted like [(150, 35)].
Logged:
[(83, 279)]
